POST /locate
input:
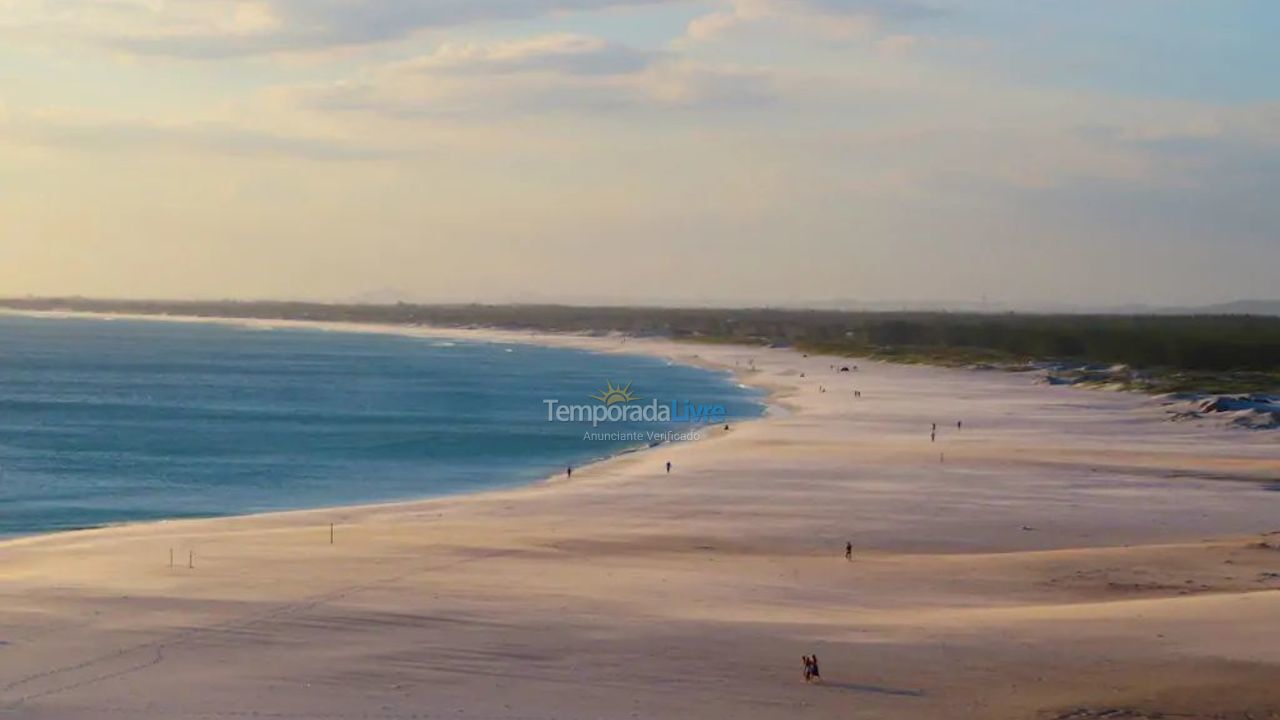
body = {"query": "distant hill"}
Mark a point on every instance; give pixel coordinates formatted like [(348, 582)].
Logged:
[(1243, 307), (1236, 307)]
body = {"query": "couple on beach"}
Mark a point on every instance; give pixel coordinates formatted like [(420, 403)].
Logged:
[(811, 673)]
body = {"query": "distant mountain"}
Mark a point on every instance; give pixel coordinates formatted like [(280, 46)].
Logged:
[(1236, 307), (954, 306), (1242, 307)]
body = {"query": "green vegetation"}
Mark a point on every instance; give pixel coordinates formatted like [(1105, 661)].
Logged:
[(1224, 353)]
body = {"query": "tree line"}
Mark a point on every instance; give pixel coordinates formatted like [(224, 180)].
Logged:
[(1190, 342)]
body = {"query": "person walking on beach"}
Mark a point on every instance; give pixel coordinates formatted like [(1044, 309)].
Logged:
[(668, 467), (959, 424), (848, 551), (808, 668), (568, 472), (814, 673)]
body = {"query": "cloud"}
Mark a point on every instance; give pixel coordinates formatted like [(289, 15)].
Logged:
[(1227, 153), (548, 74), (691, 85), (211, 29), (1205, 185), (836, 20), (898, 45), (561, 53), (131, 135), (894, 10)]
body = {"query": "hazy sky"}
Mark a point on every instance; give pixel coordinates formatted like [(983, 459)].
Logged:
[(1029, 151)]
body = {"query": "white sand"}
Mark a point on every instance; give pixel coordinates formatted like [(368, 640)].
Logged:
[(1074, 554)]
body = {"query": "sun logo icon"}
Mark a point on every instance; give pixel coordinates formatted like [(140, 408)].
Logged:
[(612, 395)]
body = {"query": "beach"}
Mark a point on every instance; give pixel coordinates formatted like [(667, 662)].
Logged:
[(1065, 554)]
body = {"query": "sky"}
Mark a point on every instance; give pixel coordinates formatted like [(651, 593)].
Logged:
[(1030, 153)]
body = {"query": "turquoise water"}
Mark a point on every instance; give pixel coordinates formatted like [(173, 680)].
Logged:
[(106, 421)]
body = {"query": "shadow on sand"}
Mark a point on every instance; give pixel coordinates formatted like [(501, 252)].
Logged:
[(898, 692)]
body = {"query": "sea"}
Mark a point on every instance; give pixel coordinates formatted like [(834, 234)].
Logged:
[(106, 421)]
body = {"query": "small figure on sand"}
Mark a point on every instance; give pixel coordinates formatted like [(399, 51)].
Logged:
[(959, 424), (933, 436), (848, 551), (568, 472), (668, 467), (811, 672)]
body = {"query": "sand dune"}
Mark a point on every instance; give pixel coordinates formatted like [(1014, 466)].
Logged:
[(1068, 554)]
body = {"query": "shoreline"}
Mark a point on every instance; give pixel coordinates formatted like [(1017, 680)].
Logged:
[(577, 342), (1079, 374), (1067, 555)]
